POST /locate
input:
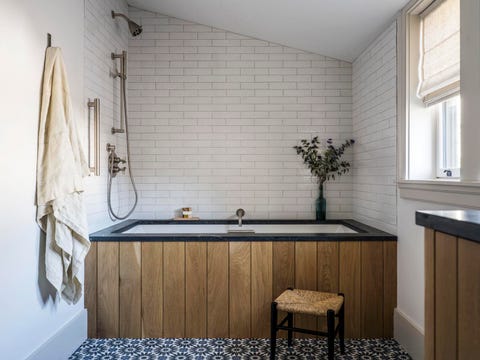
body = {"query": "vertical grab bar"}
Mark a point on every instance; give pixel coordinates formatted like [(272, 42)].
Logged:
[(94, 163)]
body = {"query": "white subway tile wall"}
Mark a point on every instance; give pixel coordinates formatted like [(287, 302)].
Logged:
[(214, 116), (104, 35), (374, 128)]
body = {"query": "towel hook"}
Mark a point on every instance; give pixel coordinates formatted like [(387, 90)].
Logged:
[(49, 40)]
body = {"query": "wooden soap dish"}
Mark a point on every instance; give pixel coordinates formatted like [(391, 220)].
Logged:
[(185, 219)]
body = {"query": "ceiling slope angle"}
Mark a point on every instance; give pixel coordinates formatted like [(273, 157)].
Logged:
[(341, 29)]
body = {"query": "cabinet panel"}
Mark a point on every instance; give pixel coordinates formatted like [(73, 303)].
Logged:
[(445, 296), (468, 300)]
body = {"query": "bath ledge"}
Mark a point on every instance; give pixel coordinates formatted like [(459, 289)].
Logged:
[(361, 232), (461, 223)]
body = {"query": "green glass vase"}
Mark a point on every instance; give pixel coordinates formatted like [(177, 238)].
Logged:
[(321, 205)]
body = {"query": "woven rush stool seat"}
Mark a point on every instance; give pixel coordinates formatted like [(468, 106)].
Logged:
[(309, 302)]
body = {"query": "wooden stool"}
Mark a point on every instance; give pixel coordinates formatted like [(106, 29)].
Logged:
[(295, 301)]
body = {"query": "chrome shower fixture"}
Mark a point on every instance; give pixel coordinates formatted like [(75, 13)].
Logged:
[(134, 28), (114, 162), (122, 74)]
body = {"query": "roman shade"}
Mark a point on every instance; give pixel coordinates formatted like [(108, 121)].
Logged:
[(439, 68)]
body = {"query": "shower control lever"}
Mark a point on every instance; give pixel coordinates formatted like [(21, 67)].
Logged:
[(118, 160), (114, 161)]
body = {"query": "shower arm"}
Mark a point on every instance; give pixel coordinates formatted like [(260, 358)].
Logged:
[(115, 14)]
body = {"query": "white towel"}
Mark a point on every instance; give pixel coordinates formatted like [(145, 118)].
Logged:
[(61, 166)]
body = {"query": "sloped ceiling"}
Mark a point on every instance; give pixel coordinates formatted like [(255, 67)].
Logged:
[(337, 28)]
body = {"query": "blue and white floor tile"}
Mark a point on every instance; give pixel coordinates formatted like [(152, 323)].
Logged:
[(233, 349)]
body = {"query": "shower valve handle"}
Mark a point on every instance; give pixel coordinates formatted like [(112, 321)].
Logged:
[(118, 160)]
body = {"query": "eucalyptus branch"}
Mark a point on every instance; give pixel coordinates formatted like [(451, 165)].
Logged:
[(324, 163)]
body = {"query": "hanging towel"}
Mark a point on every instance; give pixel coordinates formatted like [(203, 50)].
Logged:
[(61, 167)]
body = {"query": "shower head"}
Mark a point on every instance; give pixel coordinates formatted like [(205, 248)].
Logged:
[(134, 28)]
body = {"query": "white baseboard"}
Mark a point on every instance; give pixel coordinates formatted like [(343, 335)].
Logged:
[(65, 341), (409, 335)]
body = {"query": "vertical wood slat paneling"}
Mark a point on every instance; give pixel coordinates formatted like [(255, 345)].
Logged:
[(305, 278), (468, 300), (350, 285), (91, 290), (218, 292), (429, 294), (174, 289), (327, 275), (445, 296), (372, 289), (283, 271), (283, 266), (108, 290), (196, 290), (130, 290), (261, 280), (152, 289), (327, 260), (240, 290), (389, 286), (225, 289)]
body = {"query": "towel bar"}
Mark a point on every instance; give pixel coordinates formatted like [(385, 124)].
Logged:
[(94, 163)]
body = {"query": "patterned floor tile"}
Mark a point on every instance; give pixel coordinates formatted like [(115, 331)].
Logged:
[(233, 349)]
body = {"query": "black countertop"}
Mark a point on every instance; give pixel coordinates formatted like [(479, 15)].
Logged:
[(461, 223), (364, 232)]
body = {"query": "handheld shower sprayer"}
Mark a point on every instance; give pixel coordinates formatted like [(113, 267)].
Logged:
[(114, 160)]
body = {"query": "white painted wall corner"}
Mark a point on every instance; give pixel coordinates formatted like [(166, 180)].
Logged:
[(65, 341), (409, 335)]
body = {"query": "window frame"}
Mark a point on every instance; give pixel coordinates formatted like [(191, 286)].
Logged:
[(437, 190)]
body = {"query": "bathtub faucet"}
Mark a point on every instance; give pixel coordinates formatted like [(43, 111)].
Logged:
[(240, 213)]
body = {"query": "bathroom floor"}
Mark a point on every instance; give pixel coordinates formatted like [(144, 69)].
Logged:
[(234, 349)]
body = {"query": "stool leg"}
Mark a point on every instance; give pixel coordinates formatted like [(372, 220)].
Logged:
[(273, 330), (331, 333), (290, 325), (341, 326)]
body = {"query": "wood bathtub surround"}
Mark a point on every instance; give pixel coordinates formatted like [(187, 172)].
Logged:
[(224, 289)]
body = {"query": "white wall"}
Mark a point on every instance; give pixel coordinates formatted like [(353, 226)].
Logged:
[(215, 116), (28, 316), (374, 124)]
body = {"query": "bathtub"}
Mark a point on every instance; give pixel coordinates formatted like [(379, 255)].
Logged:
[(165, 278), (229, 230)]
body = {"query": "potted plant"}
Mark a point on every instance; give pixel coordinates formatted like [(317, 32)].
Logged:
[(324, 163)]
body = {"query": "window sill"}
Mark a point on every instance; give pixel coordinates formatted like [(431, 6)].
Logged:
[(450, 192)]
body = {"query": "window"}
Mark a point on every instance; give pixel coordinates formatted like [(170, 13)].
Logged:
[(438, 82), (431, 130), (447, 114)]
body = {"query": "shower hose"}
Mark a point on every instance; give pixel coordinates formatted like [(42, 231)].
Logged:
[(110, 167)]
